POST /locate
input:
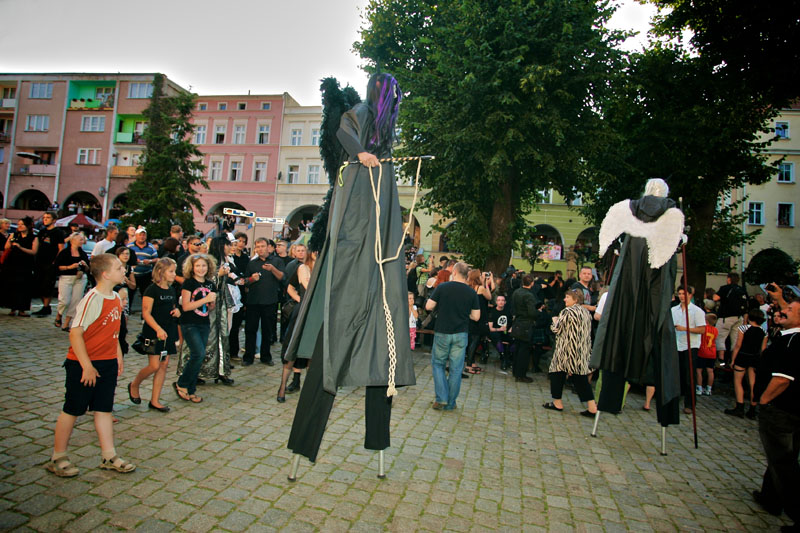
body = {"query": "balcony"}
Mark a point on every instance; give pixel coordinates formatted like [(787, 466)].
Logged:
[(92, 103), (120, 171), (8, 102), (36, 170), (128, 138)]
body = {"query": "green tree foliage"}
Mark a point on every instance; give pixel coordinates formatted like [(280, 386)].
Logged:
[(171, 169), (672, 116), (772, 265), (753, 45), (504, 94)]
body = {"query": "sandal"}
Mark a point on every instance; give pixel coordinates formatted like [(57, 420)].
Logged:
[(552, 406), (57, 322), (194, 398), (119, 464), (183, 394), (62, 467)]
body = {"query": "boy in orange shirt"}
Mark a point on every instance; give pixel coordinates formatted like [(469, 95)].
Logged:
[(93, 363), (706, 355)]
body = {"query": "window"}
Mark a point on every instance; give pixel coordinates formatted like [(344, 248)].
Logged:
[(313, 173), (260, 171), (140, 90), (238, 134), (265, 106), (545, 196), (216, 171), (41, 90), (315, 137), (88, 156), (782, 130), (199, 135), (9, 92), (293, 175), (222, 106), (578, 200), (202, 106), (263, 134), (2, 154), (105, 94), (786, 173), (241, 106), (297, 137), (94, 123), (785, 215), (37, 123), (755, 213), (219, 134), (236, 171), (139, 126)]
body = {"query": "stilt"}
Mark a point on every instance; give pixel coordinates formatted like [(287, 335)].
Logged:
[(381, 470), (596, 420), (295, 464), (663, 440)]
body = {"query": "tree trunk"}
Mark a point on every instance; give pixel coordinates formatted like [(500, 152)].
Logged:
[(701, 223), (501, 229)]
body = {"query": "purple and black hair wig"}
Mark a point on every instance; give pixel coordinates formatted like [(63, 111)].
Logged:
[(383, 98)]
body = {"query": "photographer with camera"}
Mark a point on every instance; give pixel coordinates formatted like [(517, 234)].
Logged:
[(71, 265)]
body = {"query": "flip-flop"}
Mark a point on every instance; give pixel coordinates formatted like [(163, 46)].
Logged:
[(183, 395), (552, 407), (645, 408)]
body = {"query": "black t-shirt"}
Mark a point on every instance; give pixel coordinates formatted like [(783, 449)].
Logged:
[(264, 291), (732, 301), (752, 340), (782, 359), (501, 318), (49, 239), (454, 301), (164, 301), (197, 291), (65, 258)]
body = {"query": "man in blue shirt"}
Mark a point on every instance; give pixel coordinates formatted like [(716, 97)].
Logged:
[(147, 256)]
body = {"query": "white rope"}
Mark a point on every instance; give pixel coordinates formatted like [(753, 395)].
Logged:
[(387, 313)]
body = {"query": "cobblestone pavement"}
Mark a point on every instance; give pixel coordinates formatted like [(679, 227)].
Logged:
[(499, 462)]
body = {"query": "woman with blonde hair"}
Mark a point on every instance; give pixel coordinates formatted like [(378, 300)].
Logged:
[(160, 315), (573, 329), (198, 297), (72, 265)]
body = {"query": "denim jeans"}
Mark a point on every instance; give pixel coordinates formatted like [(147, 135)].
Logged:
[(448, 347), (196, 336)]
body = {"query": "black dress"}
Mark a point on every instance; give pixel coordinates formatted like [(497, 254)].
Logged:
[(18, 274)]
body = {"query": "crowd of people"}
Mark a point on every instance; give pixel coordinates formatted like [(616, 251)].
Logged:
[(196, 295)]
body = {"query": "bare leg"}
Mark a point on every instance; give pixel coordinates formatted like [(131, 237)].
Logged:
[(145, 373), (103, 423), (751, 380), (558, 403), (738, 389), (649, 392), (592, 406), (699, 377), (64, 426), (158, 382), (710, 374)]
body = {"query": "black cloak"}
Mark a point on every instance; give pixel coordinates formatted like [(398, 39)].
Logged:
[(635, 339), (344, 301)]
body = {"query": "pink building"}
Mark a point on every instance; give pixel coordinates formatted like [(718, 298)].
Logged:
[(239, 136)]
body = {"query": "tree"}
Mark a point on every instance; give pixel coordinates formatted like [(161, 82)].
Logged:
[(752, 45), (503, 94), (171, 169), (772, 265), (672, 116)]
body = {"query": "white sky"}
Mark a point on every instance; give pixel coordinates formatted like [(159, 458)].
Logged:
[(210, 47)]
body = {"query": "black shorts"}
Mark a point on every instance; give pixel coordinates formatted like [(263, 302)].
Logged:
[(704, 362), (746, 360), (79, 397)]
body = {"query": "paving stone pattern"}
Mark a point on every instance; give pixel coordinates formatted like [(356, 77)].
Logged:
[(499, 462)]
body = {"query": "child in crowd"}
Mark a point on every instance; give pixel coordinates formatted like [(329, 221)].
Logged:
[(746, 354), (413, 315), (160, 314), (93, 363), (197, 300), (706, 356)]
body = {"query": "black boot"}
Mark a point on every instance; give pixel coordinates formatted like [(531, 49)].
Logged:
[(752, 414), (294, 386), (736, 411)]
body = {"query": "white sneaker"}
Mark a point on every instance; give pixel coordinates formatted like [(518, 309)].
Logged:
[(708, 391), (698, 390)]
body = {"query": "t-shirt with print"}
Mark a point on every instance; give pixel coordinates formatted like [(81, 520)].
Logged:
[(499, 319), (708, 343), (197, 291), (164, 301), (99, 316)]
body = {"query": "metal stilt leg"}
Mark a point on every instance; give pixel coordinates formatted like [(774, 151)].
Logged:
[(663, 440), (295, 464), (381, 466), (596, 420)]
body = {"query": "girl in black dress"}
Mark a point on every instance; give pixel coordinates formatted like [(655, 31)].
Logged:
[(18, 267)]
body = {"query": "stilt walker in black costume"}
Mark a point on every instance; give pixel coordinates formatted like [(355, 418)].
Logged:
[(356, 300), (635, 339)]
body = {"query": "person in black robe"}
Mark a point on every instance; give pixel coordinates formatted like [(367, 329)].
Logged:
[(341, 323), (635, 339)]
